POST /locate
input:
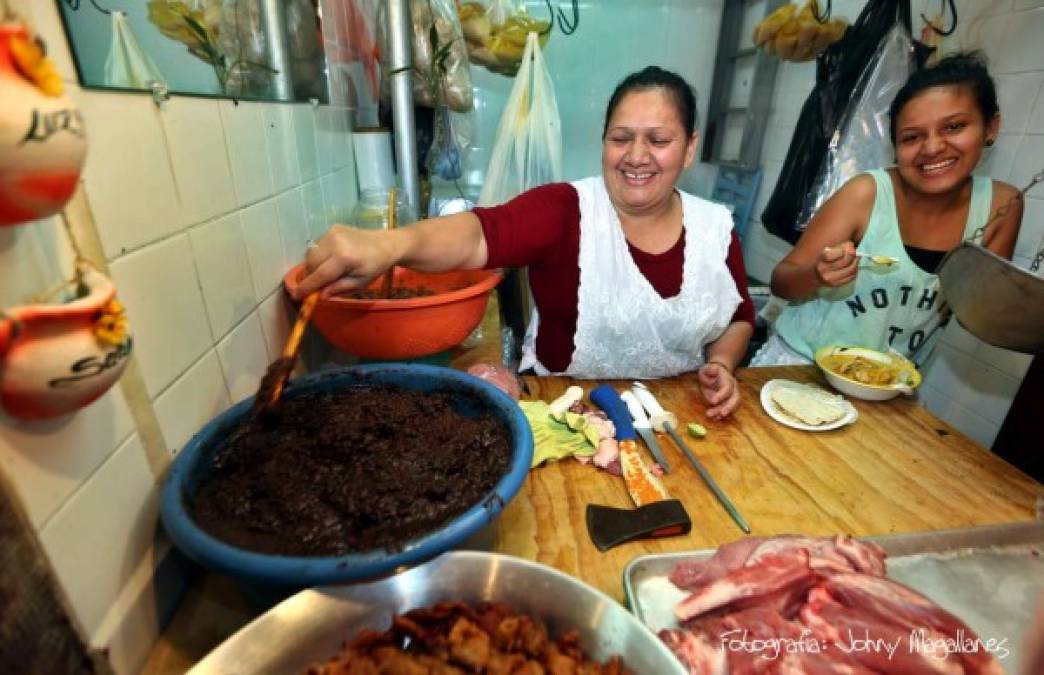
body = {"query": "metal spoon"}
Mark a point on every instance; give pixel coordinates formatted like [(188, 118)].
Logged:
[(880, 260)]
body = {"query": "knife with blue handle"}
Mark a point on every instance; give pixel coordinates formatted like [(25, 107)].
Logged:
[(656, 515)]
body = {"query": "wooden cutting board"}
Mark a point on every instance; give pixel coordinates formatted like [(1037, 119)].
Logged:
[(896, 469)]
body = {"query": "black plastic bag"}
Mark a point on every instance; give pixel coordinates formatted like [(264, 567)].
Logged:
[(837, 73)]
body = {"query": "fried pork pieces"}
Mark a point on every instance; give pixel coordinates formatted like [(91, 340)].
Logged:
[(452, 638)]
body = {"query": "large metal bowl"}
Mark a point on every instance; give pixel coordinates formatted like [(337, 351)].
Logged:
[(312, 625), (270, 577), (993, 299)]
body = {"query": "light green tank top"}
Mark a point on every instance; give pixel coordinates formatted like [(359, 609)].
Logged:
[(885, 307)]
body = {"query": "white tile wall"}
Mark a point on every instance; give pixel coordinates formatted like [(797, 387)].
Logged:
[(1028, 4), (325, 130), (244, 358), (101, 533), (276, 313), (50, 459), (197, 152), (282, 146), (1031, 236), (304, 134), (193, 204), (264, 246), (315, 210), (1020, 51), (1029, 161), (1016, 94), (160, 288), (191, 401), (1036, 120), (247, 142), (294, 226), (132, 193), (998, 160), (224, 272)]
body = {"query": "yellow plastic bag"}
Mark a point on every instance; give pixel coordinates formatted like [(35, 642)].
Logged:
[(496, 34)]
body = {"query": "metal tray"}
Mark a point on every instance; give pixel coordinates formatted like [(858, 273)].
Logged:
[(311, 626), (991, 577)]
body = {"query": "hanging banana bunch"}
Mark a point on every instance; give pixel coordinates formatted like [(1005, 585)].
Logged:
[(798, 35)]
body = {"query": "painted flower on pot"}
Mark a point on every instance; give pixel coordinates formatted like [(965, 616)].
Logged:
[(55, 359), (42, 138)]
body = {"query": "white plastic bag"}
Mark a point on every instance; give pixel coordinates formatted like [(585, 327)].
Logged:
[(528, 149), (128, 65)]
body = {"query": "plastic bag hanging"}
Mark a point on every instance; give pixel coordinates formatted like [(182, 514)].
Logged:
[(444, 155), (528, 148), (837, 71), (496, 34), (862, 140), (127, 64)]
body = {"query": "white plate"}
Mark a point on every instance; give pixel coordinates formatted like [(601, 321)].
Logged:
[(775, 413)]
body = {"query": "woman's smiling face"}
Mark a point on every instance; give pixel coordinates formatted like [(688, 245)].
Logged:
[(644, 151), (939, 138)]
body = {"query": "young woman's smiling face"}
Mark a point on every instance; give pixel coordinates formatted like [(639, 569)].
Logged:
[(940, 134), (644, 151)]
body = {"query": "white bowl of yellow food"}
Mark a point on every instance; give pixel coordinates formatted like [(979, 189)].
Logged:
[(866, 373)]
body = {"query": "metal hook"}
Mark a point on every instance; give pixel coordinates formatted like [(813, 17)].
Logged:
[(826, 15), (75, 6), (939, 31), (564, 25)]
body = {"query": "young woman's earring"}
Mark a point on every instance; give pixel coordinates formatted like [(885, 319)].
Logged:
[(989, 142)]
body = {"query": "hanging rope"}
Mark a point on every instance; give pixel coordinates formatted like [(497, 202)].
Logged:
[(826, 15), (75, 6), (938, 29), (565, 25)]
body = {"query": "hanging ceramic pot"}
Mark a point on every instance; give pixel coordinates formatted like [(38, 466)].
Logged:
[(42, 139), (55, 359)]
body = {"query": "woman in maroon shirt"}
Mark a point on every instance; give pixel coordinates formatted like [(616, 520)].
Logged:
[(630, 277)]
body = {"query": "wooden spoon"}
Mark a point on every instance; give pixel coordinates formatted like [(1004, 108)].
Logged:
[(389, 276), (278, 372)]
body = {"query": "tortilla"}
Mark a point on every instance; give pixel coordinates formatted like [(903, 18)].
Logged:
[(807, 405)]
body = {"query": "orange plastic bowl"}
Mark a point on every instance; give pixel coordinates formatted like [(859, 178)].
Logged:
[(408, 328)]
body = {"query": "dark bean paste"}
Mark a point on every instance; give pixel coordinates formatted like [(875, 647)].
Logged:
[(370, 467), (396, 293)]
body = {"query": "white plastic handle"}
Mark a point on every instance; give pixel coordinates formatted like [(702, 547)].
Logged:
[(647, 399), (657, 415), (641, 420), (561, 404)]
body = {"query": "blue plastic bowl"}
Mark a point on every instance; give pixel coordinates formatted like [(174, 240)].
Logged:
[(283, 574)]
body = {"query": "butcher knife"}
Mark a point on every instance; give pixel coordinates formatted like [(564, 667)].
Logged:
[(662, 420), (644, 428), (656, 514)]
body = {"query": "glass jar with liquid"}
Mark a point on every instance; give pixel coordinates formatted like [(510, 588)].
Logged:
[(371, 213)]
